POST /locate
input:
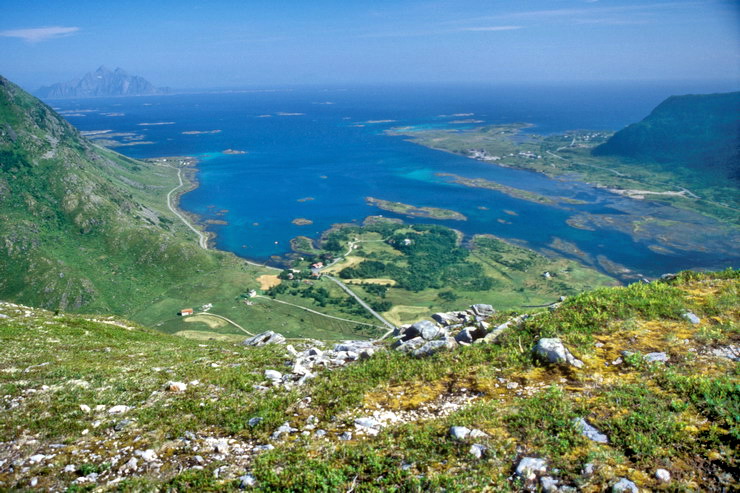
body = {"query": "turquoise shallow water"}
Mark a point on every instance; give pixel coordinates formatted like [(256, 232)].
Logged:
[(329, 145)]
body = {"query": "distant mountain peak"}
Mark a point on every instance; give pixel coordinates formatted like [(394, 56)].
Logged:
[(101, 83)]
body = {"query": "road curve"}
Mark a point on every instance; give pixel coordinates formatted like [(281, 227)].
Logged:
[(314, 311), (202, 239), (359, 300), (209, 314)]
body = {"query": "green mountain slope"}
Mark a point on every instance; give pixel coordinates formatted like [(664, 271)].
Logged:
[(102, 404), (84, 227), (700, 133)]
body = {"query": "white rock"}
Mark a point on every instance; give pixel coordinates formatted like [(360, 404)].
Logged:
[(70, 468), (147, 455), (176, 386), (624, 486), (85, 408), (552, 350), (247, 481), (99, 408), (35, 459), (459, 432), (120, 409), (221, 446), (663, 476), (477, 450), (273, 375), (530, 467)]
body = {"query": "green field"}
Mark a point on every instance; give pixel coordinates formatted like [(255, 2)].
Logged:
[(408, 272)]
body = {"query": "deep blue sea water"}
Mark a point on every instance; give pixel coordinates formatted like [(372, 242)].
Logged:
[(323, 144)]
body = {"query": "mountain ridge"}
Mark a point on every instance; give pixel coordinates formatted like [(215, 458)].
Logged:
[(697, 132), (101, 83)]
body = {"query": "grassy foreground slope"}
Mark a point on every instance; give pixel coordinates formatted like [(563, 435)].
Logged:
[(681, 415)]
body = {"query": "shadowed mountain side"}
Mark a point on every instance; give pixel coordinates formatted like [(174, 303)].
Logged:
[(700, 133)]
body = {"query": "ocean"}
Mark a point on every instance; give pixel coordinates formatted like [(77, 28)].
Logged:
[(316, 153)]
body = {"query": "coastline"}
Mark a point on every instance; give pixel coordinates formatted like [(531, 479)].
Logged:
[(188, 170)]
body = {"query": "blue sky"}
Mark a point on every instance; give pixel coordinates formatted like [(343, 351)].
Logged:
[(243, 43)]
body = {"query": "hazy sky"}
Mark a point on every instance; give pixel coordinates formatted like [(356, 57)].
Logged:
[(202, 43)]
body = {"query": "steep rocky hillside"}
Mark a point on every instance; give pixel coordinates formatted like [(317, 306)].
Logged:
[(619, 389), (84, 227)]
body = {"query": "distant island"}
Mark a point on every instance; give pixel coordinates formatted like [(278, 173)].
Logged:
[(233, 151), (102, 83), (301, 221), (411, 210)]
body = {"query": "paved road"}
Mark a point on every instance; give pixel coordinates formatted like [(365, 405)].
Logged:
[(359, 300), (202, 239), (209, 314), (314, 311)]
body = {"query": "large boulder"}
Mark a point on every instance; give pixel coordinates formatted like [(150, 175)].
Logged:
[(449, 318), (264, 338), (551, 350), (425, 329), (482, 310)]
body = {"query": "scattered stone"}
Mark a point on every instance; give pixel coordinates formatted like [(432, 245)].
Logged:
[(147, 455), (730, 352), (35, 459), (221, 446), (691, 317), (273, 375), (477, 450), (70, 468), (656, 357), (176, 386), (284, 429), (320, 433), (120, 409), (663, 476), (85, 408), (130, 466), (588, 470), (247, 481), (549, 484), (264, 338), (367, 423), (122, 424), (531, 467), (624, 485), (255, 421), (345, 436), (459, 432), (477, 434), (262, 448), (552, 350), (589, 431)]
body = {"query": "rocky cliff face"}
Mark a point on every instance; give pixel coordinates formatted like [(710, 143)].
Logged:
[(102, 82)]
